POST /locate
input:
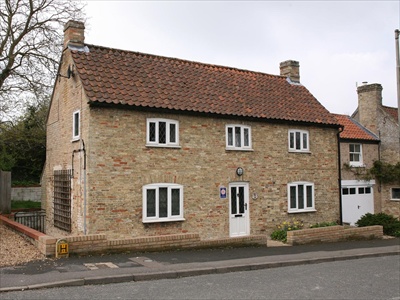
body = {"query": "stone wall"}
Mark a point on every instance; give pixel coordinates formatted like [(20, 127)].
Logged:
[(61, 148), (333, 234), (32, 193), (120, 164), (371, 114)]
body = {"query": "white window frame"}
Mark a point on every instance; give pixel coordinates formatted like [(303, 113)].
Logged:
[(391, 194), (356, 163), (168, 140), (76, 125), (156, 217), (232, 142), (293, 147), (305, 186)]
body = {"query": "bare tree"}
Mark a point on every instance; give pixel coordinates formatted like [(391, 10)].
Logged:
[(31, 39)]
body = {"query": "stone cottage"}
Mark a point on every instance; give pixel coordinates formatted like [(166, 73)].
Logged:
[(145, 145), (383, 122)]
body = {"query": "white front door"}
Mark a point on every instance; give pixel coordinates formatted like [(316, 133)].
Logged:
[(239, 224), (357, 200)]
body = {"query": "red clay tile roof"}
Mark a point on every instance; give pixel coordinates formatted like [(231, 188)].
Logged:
[(150, 81), (394, 112), (354, 130)]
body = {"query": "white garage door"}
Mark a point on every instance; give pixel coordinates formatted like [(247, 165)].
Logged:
[(357, 200)]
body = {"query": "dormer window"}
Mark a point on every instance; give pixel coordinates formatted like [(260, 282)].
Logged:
[(162, 133)]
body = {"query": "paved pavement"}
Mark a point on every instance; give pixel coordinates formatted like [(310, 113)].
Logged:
[(114, 268)]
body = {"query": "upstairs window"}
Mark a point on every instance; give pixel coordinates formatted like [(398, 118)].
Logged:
[(355, 151), (300, 197), (298, 141), (162, 202), (395, 194), (238, 137), (162, 133), (75, 125)]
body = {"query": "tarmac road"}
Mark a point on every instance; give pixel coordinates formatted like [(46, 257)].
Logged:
[(365, 278), (116, 268)]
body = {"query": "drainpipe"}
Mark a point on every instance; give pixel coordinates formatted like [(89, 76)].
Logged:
[(84, 180), (396, 34), (84, 188), (379, 159), (341, 128)]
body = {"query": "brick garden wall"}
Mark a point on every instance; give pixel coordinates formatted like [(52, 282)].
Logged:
[(98, 243), (333, 234)]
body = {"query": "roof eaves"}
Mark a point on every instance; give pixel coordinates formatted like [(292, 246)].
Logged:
[(359, 140), (209, 113)]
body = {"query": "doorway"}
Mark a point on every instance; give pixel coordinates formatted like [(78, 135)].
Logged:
[(239, 217)]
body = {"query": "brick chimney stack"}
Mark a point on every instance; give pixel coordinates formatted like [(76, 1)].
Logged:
[(369, 101), (74, 34), (291, 69)]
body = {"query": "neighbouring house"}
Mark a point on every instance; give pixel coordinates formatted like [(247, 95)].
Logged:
[(145, 145), (383, 122), (359, 148), (370, 134)]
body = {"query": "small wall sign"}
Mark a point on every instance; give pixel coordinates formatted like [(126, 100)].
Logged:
[(62, 248), (222, 192)]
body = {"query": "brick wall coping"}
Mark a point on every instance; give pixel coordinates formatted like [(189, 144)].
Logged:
[(32, 233)]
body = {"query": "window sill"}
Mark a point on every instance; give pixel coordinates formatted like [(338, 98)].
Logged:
[(300, 152), (74, 140), (163, 146), (356, 165), (163, 220), (301, 211), (239, 149), (395, 200)]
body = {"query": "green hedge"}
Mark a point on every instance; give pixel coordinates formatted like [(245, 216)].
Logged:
[(391, 225)]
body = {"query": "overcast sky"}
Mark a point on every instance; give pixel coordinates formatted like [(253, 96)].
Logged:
[(338, 44)]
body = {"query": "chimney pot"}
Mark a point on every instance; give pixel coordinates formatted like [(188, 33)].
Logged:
[(291, 69), (74, 33)]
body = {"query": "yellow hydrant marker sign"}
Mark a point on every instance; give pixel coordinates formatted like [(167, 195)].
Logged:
[(62, 248)]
